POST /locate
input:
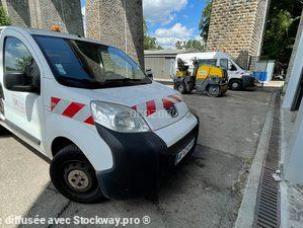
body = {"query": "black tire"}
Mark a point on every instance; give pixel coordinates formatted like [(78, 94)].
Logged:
[(181, 88), (235, 84), (73, 176), (4, 132), (213, 90)]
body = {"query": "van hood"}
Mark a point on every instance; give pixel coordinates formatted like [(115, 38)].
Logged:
[(158, 104)]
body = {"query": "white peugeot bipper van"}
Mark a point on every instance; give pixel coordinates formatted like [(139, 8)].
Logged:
[(238, 78), (104, 125)]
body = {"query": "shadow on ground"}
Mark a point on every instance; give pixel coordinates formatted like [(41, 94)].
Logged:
[(201, 191)]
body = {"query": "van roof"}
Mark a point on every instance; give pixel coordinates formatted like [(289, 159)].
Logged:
[(45, 32), (204, 55)]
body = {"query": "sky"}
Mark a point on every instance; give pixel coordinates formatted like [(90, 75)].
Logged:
[(171, 20)]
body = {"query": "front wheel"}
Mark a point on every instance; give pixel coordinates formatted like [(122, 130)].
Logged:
[(214, 90), (181, 88), (73, 176), (235, 84)]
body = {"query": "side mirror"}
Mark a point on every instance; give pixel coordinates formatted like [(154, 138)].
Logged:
[(20, 82), (149, 74)]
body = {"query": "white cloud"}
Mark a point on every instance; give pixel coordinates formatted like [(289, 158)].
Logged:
[(167, 38), (162, 11)]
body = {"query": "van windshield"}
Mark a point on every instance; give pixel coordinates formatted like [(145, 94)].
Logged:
[(89, 65)]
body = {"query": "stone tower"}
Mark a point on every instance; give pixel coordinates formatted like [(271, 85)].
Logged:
[(45, 13), (118, 23), (237, 27)]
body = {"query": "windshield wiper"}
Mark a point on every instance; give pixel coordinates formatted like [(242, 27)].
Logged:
[(123, 80)]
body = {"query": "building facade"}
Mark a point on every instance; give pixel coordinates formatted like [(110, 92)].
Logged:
[(292, 109), (237, 27), (118, 23), (161, 62), (43, 14)]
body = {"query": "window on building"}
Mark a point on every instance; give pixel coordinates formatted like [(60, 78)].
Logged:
[(299, 94)]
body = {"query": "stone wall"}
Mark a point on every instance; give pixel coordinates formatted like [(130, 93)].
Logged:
[(237, 26), (118, 23), (45, 13)]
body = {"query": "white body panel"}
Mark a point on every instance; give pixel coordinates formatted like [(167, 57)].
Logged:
[(33, 114)]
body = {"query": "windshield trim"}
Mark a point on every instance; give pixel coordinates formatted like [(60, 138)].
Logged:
[(79, 83)]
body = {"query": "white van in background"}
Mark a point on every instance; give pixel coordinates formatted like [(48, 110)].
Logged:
[(238, 78)]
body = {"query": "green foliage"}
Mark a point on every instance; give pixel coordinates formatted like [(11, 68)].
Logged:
[(4, 19), (281, 29), (190, 45), (205, 20), (150, 43), (23, 62)]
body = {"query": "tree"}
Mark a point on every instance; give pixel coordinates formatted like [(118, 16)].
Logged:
[(205, 20), (190, 45), (179, 45), (4, 19), (150, 42), (281, 28)]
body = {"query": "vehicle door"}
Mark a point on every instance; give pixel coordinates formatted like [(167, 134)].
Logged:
[(20, 85)]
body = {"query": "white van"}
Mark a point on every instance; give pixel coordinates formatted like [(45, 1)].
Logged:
[(238, 78), (106, 128)]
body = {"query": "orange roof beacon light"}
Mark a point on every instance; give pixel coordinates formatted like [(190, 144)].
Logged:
[(55, 28)]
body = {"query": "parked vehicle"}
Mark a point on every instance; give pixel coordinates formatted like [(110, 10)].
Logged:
[(92, 112), (238, 78), (205, 79)]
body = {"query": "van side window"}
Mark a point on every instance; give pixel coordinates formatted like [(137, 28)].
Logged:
[(16, 56), (212, 62), (232, 67), (224, 64)]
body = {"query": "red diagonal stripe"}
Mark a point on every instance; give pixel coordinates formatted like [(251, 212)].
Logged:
[(89, 120), (167, 104), (134, 107), (150, 107), (54, 102), (72, 109)]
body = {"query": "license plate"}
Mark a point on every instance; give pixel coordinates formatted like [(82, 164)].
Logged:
[(184, 152)]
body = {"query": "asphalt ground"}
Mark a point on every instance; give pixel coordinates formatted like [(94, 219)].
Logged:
[(205, 191)]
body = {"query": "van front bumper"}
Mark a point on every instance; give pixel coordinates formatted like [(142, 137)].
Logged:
[(248, 81), (139, 158)]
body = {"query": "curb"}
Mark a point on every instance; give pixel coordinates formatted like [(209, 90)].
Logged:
[(246, 212)]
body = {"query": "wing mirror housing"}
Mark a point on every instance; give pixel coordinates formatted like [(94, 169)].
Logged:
[(149, 74), (20, 82)]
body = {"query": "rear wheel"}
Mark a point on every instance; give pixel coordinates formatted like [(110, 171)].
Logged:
[(74, 177), (235, 84), (214, 90)]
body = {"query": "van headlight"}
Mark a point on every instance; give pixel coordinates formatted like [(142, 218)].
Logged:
[(118, 117)]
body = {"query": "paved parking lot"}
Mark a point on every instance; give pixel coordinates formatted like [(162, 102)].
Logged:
[(204, 192)]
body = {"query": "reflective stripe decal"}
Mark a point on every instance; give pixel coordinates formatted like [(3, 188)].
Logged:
[(89, 120), (167, 104), (150, 107), (54, 102), (73, 110)]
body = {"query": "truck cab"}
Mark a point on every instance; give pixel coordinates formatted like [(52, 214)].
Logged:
[(238, 78), (90, 110)]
